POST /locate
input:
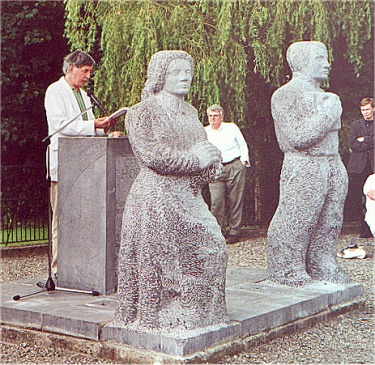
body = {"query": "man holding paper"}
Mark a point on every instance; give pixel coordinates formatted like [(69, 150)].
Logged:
[(64, 101)]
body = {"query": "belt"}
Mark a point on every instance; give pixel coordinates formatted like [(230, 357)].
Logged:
[(227, 163)]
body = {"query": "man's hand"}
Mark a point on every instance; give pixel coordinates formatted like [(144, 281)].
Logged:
[(105, 123), (371, 194), (102, 123)]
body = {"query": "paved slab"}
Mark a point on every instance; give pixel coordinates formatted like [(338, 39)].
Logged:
[(254, 306)]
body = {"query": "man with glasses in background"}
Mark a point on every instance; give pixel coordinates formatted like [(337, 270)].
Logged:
[(227, 192)]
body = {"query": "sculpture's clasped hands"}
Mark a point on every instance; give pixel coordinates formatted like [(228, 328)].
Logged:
[(208, 155), (329, 104)]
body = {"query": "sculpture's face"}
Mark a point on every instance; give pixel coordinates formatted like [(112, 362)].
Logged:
[(178, 78), (318, 66)]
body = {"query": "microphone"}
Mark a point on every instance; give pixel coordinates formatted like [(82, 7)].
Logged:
[(96, 102)]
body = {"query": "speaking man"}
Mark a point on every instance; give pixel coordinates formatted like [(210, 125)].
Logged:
[(64, 100)]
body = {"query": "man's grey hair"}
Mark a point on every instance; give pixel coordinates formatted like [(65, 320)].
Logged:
[(77, 59), (215, 107)]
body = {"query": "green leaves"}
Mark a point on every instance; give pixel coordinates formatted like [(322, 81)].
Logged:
[(227, 39), (32, 44)]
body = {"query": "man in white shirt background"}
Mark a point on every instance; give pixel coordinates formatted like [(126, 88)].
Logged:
[(227, 192)]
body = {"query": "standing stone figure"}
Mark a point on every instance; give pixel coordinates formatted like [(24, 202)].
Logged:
[(313, 183), (172, 260)]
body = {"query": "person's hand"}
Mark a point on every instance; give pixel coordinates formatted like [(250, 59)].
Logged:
[(371, 194), (114, 121), (218, 167), (105, 123), (102, 123)]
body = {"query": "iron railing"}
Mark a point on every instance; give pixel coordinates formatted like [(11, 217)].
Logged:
[(24, 204)]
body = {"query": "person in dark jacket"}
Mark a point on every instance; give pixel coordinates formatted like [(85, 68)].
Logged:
[(361, 162)]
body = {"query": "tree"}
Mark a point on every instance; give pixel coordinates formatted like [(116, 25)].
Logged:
[(31, 58), (227, 40), (239, 49)]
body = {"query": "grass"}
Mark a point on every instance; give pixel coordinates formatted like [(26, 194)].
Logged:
[(25, 243), (22, 235)]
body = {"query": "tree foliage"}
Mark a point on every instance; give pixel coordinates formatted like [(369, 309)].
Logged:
[(238, 46), (239, 49), (227, 39), (31, 49)]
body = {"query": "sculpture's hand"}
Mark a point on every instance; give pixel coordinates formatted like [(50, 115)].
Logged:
[(329, 104), (208, 155)]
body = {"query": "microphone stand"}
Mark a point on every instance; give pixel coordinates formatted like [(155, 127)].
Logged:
[(65, 125), (50, 285)]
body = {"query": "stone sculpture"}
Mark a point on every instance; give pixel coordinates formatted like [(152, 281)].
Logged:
[(172, 259), (313, 183)]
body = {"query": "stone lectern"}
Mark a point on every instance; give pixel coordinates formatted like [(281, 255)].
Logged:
[(95, 176)]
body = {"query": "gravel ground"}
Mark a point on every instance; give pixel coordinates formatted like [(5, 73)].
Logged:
[(346, 339)]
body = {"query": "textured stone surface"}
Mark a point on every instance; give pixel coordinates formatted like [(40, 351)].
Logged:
[(183, 345), (255, 307), (347, 338), (172, 257), (303, 233), (95, 176)]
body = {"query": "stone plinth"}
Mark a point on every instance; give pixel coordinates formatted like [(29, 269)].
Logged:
[(258, 310), (95, 176)]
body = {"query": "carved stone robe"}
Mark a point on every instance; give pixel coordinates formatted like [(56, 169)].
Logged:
[(173, 257)]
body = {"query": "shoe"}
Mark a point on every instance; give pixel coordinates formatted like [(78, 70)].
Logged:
[(366, 231), (353, 251), (231, 239), (366, 235)]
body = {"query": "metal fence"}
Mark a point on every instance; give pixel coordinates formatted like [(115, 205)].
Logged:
[(14, 230), (24, 200), (24, 204)]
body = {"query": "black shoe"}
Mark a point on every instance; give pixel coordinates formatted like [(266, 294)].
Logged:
[(231, 239), (366, 231)]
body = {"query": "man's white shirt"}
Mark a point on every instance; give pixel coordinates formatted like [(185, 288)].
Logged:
[(230, 141)]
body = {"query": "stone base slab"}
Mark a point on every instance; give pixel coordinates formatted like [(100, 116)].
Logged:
[(258, 311)]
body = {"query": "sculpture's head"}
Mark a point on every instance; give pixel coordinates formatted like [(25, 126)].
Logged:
[(164, 69), (309, 58)]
